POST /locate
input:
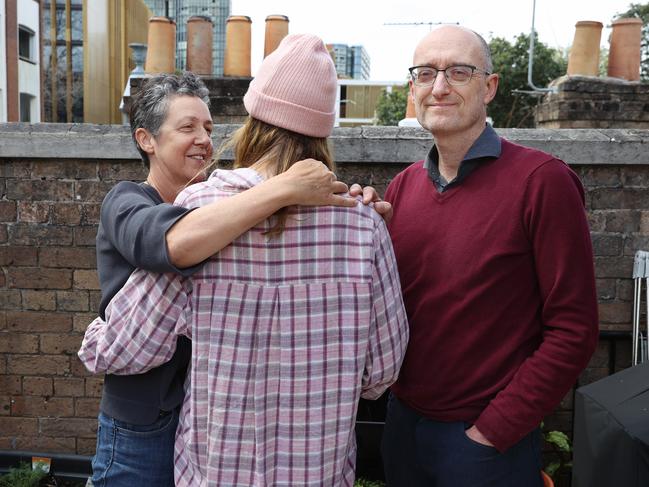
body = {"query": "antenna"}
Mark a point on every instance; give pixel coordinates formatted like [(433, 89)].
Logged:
[(429, 24)]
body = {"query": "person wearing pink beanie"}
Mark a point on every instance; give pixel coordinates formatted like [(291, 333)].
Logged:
[(291, 324)]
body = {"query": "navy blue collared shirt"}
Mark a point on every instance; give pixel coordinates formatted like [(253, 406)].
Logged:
[(486, 147)]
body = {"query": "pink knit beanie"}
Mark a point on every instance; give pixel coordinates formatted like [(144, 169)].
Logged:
[(295, 87)]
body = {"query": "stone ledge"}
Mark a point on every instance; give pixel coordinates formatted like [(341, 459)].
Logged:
[(364, 145)]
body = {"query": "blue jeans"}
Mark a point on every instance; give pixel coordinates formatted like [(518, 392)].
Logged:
[(419, 452), (130, 455)]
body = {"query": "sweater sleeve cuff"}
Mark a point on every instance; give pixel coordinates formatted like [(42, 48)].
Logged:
[(498, 430)]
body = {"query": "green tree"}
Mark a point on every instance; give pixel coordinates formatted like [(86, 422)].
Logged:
[(391, 107), (641, 11), (510, 60)]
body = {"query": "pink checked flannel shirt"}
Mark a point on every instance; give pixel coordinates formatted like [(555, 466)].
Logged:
[(287, 334)]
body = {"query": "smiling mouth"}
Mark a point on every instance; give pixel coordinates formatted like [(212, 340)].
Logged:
[(198, 157)]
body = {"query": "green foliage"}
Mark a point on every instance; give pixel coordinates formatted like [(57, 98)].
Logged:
[(368, 483), (22, 476), (391, 107), (562, 451), (510, 60), (641, 11)]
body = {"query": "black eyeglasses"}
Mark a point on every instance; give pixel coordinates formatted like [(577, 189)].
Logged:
[(455, 75)]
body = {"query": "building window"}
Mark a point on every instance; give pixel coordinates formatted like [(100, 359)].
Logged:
[(26, 101), (26, 44)]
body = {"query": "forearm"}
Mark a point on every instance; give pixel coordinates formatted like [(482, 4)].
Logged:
[(206, 230)]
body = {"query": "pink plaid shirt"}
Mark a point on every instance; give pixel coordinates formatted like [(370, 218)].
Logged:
[(287, 334)]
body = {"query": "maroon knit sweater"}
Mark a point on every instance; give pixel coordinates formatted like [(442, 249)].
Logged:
[(498, 282)]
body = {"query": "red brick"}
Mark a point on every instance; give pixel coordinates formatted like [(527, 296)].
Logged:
[(65, 169), (39, 278), (10, 385), (95, 300), (33, 212), (86, 407), (86, 279), (38, 443), (68, 427), (41, 190), (37, 386), (37, 321), (66, 213), (10, 299), (18, 256), (5, 405), (40, 234), (52, 407), (80, 321), (38, 365), (11, 342), (72, 300), (8, 211), (18, 426), (15, 169), (4, 235), (74, 257), (119, 171), (39, 300), (94, 386), (3, 320), (90, 213), (92, 191), (60, 344), (615, 312), (85, 235), (69, 387), (86, 446), (77, 369)]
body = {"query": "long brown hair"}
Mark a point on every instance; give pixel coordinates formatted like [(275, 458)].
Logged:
[(259, 141)]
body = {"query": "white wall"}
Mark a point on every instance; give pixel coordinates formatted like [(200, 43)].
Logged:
[(3, 64), (28, 73)]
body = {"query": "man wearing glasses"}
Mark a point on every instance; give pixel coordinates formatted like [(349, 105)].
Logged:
[(496, 266)]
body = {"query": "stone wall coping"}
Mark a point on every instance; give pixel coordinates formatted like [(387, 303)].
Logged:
[(369, 144)]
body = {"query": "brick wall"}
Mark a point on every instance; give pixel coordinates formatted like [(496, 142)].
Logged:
[(593, 102), (49, 208)]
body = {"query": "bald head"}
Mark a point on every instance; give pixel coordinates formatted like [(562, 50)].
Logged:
[(453, 36)]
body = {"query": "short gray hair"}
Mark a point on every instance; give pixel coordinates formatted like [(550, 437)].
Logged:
[(149, 106)]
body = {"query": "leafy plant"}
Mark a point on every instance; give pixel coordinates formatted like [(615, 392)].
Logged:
[(391, 107), (562, 450), (22, 476), (368, 483), (510, 60)]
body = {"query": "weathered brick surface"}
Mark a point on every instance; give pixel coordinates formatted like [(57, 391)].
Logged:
[(86, 279), (67, 257), (11, 342), (73, 387), (38, 386), (8, 211), (60, 344), (10, 385), (39, 278), (18, 256), (67, 427), (39, 300), (39, 406), (38, 365), (35, 321), (86, 407)]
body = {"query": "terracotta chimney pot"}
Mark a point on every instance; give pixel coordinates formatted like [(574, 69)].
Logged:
[(624, 53), (161, 42), (237, 46), (584, 53)]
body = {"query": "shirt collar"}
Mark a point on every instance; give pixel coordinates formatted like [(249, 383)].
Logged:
[(487, 145)]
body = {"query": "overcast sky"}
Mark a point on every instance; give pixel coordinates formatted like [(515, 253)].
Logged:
[(390, 47)]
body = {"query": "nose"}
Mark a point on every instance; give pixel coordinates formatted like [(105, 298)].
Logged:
[(203, 138), (440, 85)]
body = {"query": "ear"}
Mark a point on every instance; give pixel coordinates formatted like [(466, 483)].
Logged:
[(492, 88), (145, 140)]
